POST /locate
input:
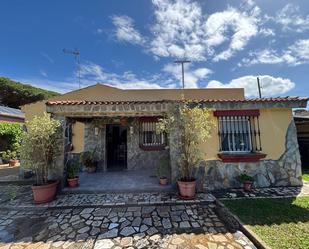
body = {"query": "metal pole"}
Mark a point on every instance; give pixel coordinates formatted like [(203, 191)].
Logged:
[(76, 54), (182, 71), (183, 76), (259, 86)]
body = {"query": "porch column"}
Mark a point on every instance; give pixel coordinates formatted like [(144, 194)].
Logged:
[(175, 152), (58, 170)]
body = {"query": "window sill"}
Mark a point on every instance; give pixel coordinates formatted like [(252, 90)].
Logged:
[(152, 148), (240, 157)]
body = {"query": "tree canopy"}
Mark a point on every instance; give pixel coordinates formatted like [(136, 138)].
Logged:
[(15, 94)]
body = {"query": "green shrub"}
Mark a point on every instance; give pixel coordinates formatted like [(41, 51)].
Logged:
[(73, 169), (244, 178), (11, 133), (163, 168), (87, 158)]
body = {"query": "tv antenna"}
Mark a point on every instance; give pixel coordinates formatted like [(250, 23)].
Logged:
[(182, 62), (76, 54)]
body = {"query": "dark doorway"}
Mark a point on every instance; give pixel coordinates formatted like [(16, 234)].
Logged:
[(116, 147)]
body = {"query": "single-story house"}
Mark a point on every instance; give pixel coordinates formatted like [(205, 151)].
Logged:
[(253, 135), (11, 115)]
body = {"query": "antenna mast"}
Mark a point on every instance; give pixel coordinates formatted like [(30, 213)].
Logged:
[(182, 62), (76, 54), (259, 86)]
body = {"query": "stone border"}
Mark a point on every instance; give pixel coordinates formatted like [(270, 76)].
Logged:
[(17, 182), (62, 202), (234, 223)]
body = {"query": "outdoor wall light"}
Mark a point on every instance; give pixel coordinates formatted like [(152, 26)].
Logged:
[(96, 131), (131, 130)]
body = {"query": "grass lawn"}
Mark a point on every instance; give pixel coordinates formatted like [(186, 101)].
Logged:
[(305, 175), (280, 223)]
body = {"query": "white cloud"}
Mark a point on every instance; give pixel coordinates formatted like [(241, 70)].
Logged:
[(267, 32), (47, 57), (177, 31), (244, 26), (192, 76), (291, 19), (60, 86), (125, 30), (169, 78), (92, 73), (182, 30), (271, 86), (295, 54), (43, 73)]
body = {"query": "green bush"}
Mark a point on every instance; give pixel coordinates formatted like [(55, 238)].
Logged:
[(10, 133), (244, 178)]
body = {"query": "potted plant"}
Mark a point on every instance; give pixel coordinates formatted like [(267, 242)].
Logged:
[(193, 124), (73, 179), (39, 147), (162, 171), (13, 159), (87, 158), (247, 181), (10, 157)]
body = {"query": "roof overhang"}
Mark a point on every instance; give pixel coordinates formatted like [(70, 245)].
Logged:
[(141, 108)]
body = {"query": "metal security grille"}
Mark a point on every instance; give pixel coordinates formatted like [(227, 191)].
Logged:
[(239, 133), (148, 136)]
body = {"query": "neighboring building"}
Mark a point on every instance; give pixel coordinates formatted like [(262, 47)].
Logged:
[(301, 118), (253, 135), (12, 115)]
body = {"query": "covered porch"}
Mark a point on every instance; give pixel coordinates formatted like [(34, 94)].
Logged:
[(126, 146)]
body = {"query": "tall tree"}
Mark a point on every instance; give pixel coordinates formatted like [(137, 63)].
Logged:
[(15, 94)]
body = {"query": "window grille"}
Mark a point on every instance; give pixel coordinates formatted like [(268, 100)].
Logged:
[(239, 131), (149, 139)]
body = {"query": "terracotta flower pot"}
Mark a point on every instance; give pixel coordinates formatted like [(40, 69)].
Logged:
[(73, 182), (91, 169), (163, 180), (187, 189), (247, 185), (44, 193), (13, 162)]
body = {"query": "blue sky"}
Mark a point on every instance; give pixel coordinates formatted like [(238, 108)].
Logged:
[(132, 44)]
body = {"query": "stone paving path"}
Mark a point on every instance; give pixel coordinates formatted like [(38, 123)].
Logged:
[(263, 192), (23, 199), (176, 226)]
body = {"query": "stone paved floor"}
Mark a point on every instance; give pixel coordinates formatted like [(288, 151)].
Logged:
[(263, 192), (126, 181), (176, 226)]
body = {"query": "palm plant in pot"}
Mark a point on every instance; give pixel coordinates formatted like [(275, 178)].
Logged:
[(39, 147), (162, 171), (87, 158), (247, 181), (193, 124), (73, 179)]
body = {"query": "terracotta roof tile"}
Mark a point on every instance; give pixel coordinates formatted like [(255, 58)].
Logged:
[(86, 102)]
